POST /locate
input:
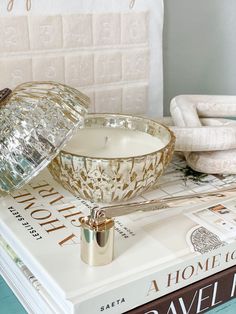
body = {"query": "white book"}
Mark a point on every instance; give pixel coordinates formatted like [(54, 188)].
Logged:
[(24, 286), (155, 253)]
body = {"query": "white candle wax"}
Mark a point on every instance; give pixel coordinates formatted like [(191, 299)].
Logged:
[(113, 143)]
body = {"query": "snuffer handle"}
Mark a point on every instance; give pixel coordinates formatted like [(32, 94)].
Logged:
[(97, 230), (160, 204)]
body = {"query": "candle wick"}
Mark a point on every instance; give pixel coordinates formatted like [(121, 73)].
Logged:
[(106, 140)]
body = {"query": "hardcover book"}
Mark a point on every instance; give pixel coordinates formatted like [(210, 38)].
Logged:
[(195, 298), (155, 253)]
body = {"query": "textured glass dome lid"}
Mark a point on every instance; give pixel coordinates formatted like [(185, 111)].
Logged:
[(36, 121)]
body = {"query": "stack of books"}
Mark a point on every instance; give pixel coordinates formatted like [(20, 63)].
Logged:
[(178, 260)]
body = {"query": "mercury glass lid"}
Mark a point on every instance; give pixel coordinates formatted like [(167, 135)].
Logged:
[(36, 121)]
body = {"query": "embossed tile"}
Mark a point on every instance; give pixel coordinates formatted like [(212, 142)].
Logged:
[(14, 72), (48, 69), (134, 28), (135, 99), (79, 70), (108, 100), (77, 30), (135, 64), (107, 67), (106, 29), (14, 34), (45, 32)]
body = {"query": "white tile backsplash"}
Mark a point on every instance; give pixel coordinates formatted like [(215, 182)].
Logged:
[(106, 55)]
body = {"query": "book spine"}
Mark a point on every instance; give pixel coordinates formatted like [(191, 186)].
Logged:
[(135, 293), (159, 283), (25, 274), (196, 298)]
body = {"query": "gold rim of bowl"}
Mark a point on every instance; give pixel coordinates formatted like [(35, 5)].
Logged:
[(170, 143)]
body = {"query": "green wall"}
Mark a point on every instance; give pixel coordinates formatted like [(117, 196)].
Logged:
[(199, 48)]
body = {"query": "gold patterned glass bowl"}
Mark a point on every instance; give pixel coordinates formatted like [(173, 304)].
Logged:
[(110, 179)]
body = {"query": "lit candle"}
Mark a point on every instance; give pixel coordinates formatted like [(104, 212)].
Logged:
[(113, 143)]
